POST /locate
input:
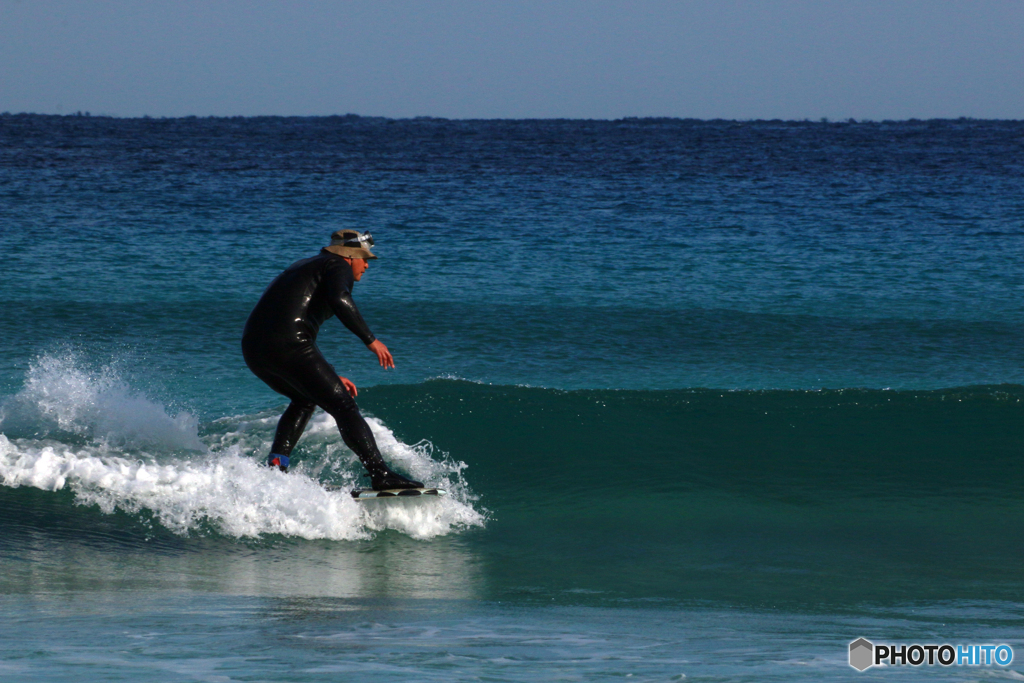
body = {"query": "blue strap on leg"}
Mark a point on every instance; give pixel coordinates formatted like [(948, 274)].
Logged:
[(278, 460)]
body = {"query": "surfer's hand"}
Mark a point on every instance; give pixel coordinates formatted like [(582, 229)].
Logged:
[(351, 388), (383, 355)]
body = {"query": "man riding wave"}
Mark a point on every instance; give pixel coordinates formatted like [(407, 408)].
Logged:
[(279, 346)]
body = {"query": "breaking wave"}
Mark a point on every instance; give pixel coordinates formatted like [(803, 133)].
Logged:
[(87, 431)]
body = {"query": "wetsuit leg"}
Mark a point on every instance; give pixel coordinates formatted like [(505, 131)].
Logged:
[(291, 425), (305, 376), (293, 421)]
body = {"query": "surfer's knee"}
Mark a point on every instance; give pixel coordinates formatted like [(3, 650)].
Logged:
[(341, 405), (302, 407)]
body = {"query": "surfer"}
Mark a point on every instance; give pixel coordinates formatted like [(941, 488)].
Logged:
[(279, 346)]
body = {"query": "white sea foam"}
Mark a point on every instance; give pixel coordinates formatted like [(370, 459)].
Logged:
[(138, 458), (61, 394)]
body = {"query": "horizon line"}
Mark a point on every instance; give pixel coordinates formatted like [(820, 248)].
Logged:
[(352, 117)]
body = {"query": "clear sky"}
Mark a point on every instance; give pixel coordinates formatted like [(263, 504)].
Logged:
[(791, 59)]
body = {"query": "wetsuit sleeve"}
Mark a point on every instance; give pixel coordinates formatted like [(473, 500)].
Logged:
[(345, 308)]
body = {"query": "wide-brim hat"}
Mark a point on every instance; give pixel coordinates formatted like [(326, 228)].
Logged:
[(351, 244)]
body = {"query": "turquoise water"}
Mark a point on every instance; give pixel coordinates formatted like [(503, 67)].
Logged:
[(713, 399)]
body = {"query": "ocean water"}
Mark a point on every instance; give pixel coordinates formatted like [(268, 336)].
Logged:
[(713, 399)]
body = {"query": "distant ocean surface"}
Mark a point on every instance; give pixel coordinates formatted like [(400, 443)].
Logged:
[(713, 399)]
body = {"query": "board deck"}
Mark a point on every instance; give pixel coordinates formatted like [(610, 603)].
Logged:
[(367, 494)]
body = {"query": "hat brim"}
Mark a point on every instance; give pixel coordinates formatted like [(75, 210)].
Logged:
[(351, 252)]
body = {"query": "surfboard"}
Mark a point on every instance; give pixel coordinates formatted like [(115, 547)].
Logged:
[(366, 494)]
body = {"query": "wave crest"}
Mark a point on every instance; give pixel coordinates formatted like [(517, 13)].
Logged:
[(89, 432), (62, 395)]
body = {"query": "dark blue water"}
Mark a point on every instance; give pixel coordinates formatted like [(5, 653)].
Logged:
[(680, 376)]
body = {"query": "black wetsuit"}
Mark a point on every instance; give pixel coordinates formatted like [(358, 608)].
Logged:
[(279, 346)]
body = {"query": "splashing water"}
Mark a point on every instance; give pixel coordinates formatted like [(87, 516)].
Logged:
[(61, 395), (138, 458)]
